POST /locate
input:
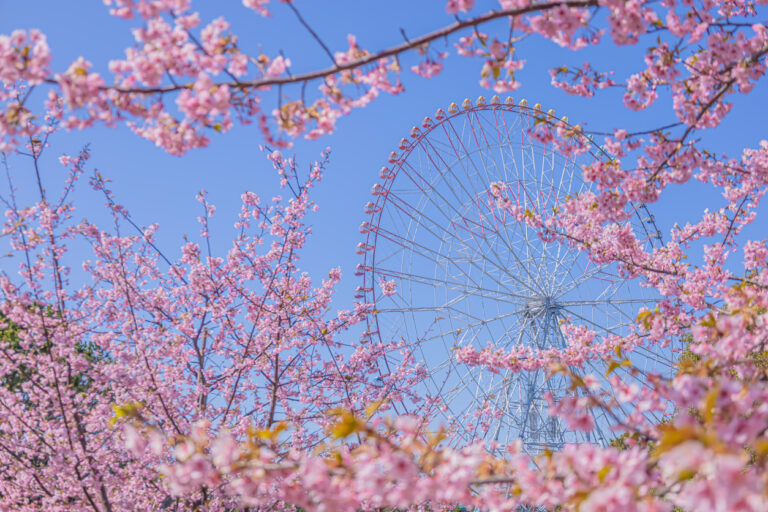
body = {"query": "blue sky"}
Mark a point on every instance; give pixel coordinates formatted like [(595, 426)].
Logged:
[(160, 188)]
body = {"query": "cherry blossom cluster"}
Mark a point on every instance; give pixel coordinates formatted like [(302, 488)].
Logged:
[(694, 461), (240, 341), (186, 79)]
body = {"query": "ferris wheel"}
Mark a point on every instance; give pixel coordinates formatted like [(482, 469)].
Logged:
[(445, 268)]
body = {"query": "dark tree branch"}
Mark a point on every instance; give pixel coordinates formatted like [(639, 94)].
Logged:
[(367, 59)]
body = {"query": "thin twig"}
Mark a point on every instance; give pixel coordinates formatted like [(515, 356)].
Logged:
[(312, 32)]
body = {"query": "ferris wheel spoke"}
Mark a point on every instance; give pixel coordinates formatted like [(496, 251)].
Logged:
[(410, 171), (508, 140), (448, 169), (483, 148), (464, 383), (469, 326), (441, 392), (652, 356), (505, 409), (440, 388), (576, 281), (561, 288), (486, 185), (479, 122), (486, 396), (506, 163), (552, 270), (504, 235), (566, 252), (452, 235), (432, 256), (435, 370), (568, 260), (607, 329), (524, 228), (602, 302), (425, 309), (531, 158), (523, 264), (571, 174), (526, 232), (453, 285), (625, 314), (442, 174)]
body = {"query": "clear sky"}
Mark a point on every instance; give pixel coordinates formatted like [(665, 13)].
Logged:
[(160, 188)]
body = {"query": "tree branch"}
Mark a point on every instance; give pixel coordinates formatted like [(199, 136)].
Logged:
[(367, 59), (712, 101)]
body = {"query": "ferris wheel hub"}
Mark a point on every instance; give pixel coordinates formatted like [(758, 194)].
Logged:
[(540, 306)]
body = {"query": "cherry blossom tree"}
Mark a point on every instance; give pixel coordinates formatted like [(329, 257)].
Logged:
[(216, 382), (241, 343)]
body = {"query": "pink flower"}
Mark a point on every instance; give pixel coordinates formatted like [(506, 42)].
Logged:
[(258, 6), (388, 287), (134, 440), (456, 6), (278, 66)]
